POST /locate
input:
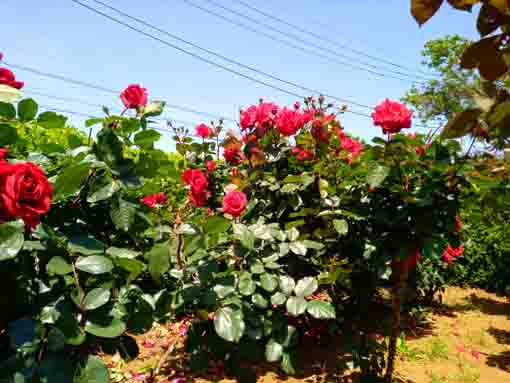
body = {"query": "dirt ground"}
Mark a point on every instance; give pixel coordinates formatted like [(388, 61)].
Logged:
[(465, 340)]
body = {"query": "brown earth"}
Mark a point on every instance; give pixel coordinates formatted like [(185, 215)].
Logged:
[(465, 340)]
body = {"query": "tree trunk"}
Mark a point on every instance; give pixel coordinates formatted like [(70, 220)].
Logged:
[(395, 325)]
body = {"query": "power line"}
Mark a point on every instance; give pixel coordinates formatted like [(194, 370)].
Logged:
[(106, 90), (293, 37), (334, 42), (222, 57)]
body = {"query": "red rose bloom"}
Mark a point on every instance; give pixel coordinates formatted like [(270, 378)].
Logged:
[(3, 154), (134, 96), (8, 78), (24, 192), (203, 131), (352, 146), (198, 184), (259, 116), (155, 200), (234, 203), (449, 254), (232, 155), (288, 122), (392, 116), (210, 165), (420, 150)]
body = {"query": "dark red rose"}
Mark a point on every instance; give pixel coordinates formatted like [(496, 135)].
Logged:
[(8, 78), (24, 192), (198, 184), (155, 200), (392, 116), (134, 96), (234, 203)]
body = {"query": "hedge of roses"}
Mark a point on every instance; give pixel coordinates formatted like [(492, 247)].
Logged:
[(289, 228)]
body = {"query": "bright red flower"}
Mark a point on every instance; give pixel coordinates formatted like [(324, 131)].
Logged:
[(203, 131), (449, 254), (232, 155), (198, 184), (288, 121), (353, 147), (155, 200), (259, 116), (8, 78), (25, 192), (134, 96), (210, 165), (234, 172), (234, 203), (392, 116), (420, 150), (305, 155)]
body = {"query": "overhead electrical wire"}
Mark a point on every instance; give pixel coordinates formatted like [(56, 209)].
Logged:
[(324, 37), (376, 71), (213, 63)]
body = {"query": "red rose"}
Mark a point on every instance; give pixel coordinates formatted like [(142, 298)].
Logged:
[(210, 165), (305, 155), (259, 116), (3, 154), (234, 203), (449, 254), (24, 192), (420, 150), (232, 155), (198, 184), (8, 78), (288, 122), (392, 116), (134, 96), (203, 131), (155, 200), (234, 172), (352, 146)]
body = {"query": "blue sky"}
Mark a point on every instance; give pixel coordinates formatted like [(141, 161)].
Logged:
[(61, 37)]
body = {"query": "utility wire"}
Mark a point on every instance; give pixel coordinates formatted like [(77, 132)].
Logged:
[(294, 37), (106, 90), (324, 37), (222, 57)]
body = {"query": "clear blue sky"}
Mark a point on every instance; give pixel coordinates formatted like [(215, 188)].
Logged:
[(61, 37)]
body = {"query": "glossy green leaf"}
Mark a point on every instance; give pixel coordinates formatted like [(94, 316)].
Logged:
[(154, 109), (51, 120), (274, 351), (159, 260), (58, 265), (96, 298), (94, 264), (111, 330), (103, 191), (287, 284), (278, 299), (223, 291), (268, 282), (92, 370), (146, 138), (341, 226), (85, 244), (259, 301), (296, 306), (8, 134), (217, 224), (11, 239), (306, 287), (122, 252), (27, 109), (229, 324), (70, 180), (123, 214), (321, 310), (7, 110), (377, 174), (247, 286)]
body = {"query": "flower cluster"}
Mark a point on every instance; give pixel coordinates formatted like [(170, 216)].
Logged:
[(392, 116), (198, 183), (25, 191), (259, 117)]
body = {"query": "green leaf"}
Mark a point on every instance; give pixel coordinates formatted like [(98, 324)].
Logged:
[(321, 310), (146, 138), (103, 191), (85, 244), (8, 134), (159, 260), (377, 174), (56, 340), (247, 286), (278, 299), (96, 298), (11, 239), (217, 224), (9, 94), (259, 301), (51, 120), (122, 252), (92, 370), (296, 306), (287, 364), (313, 244), (229, 324), (112, 330), (7, 111), (94, 264), (306, 287), (58, 265), (133, 266), (298, 247), (27, 109), (123, 214), (257, 268), (341, 226), (269, 282), (154, 109), (70, 180), (223, 291), (287, 285), (92, 121), (274, 351)]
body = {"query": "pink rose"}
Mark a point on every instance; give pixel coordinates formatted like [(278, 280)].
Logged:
[(234, 203), (259, 117), (203, 131), (392, 116), (210, 165), (134, 96), (288, 122)]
